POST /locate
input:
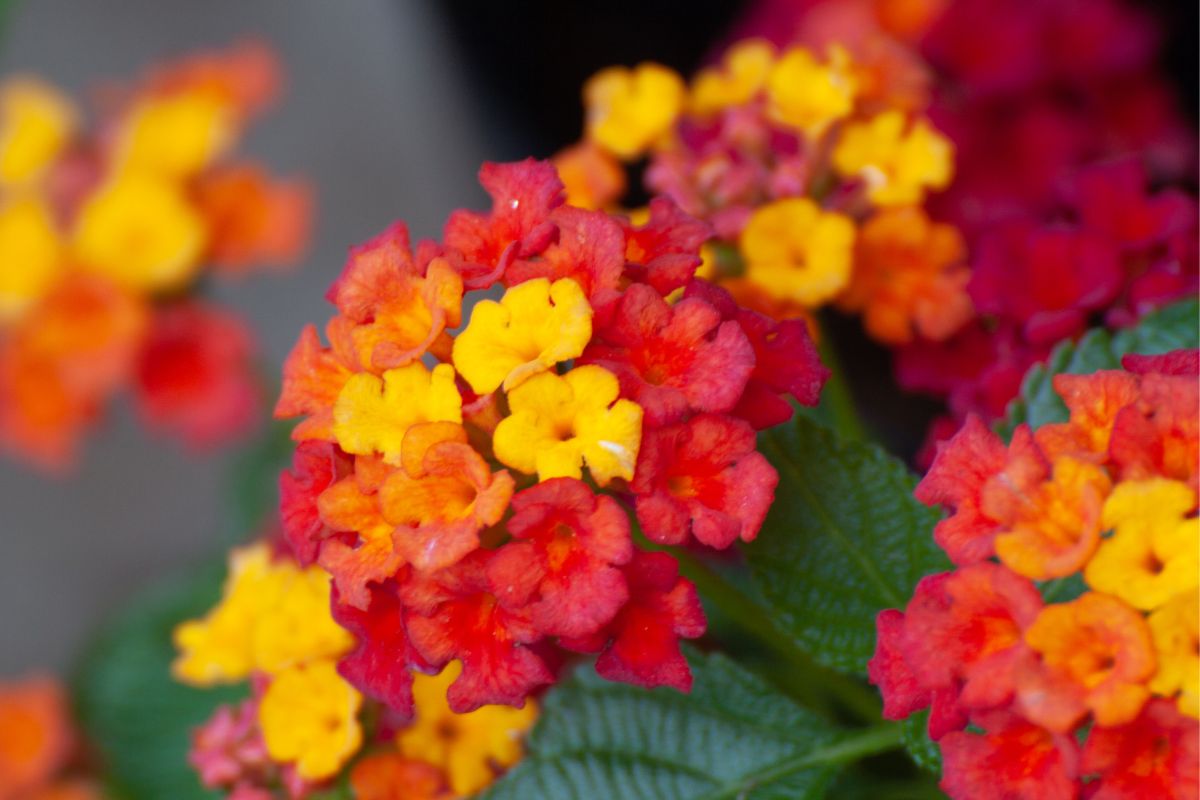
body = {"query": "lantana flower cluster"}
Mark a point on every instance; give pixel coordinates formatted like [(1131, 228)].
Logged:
[(1059, 658), (40, 752), (1066, 131), (105, 229), (811, 162), (467, 471), (303, 722)]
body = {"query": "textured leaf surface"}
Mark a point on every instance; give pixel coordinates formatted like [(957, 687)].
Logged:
[(1172, 328), (844, 540), (732, 737), (138, 717)]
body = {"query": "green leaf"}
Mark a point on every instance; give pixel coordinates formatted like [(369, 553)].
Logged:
[(129, 706), (732, 737), (844, 540), (923, 750), (1172, 328)]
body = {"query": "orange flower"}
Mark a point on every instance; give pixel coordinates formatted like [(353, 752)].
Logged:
[(909, 277), (391, 776), (1057, 526), (35, 734), (442, 498), (313, 377), (1093, 402), (253, 219), (61, 362), (592, 176), (352, 505), (1097, 655)]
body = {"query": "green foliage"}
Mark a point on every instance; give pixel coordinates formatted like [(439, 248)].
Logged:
[(923, 750), (129, 706), (845, 539), (1172, 328), (732, 737)]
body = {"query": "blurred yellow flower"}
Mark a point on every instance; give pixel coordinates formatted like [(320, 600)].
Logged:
[(796, 251), (628, 110), (35, 122), (897, 161), (808, 95), (30, 254), (140, 232)]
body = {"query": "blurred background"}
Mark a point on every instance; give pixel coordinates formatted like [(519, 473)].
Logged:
[(388, 110), (390, 107)]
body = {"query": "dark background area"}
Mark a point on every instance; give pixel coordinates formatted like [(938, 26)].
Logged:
[(391, 106)]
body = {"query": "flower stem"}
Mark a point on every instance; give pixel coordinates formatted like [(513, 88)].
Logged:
[(837, 408)]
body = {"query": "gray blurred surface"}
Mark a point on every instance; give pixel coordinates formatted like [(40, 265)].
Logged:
[(378, 117)]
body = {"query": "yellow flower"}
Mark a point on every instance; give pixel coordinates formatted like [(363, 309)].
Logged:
[(141, 233), (628, 110), (272, 615), (1154, 554), (796, 251), (468, 747), (176, 135), (808, 95), (309, 716), (30, 255), (372, 414), (534, 326), (898, 165), (559, 422), (1176, 631), (35, 122), (742, 74)]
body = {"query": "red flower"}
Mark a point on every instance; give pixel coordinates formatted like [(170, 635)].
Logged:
[(562, 566), (455, 615), (643, 640), (972, 475), (1158, 435), (965, 628), (1045, 279), (195, 376), (665, 251), (523, 195), (1156, 756), (786, 361), (315, 467), (706, 477), (902, 690), (672, 359), (1176, 362), (1111, 199), (590, 250), (379, 666), (1014, 759)]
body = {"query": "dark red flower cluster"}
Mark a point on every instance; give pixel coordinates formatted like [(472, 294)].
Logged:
[(440, 479), (1112, 252)]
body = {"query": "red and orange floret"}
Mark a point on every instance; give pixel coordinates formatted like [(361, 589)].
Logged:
[(1072, 614)]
